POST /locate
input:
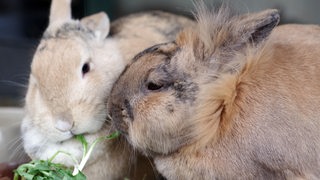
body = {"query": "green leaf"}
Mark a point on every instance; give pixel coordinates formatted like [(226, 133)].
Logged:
[(84, 143), (113, 135), (42, 167), (39, 178), (47, 170), (26, 175), (16, 176), (80, 176)]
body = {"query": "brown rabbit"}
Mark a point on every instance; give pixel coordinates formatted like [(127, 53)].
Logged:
[(222, 102), (72, 73)]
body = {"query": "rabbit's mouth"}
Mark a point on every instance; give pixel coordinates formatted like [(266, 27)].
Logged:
[(121, 118), (121, 122)]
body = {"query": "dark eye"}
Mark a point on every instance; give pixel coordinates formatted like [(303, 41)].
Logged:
[(85, 68), (153, 86)]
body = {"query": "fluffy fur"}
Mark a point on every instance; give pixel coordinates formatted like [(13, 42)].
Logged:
[(224, 101), (72, 72)]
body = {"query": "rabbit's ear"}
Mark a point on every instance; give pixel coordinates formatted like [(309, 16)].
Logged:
[(99, 23), (254, 28), (60, 12), (220, 31)]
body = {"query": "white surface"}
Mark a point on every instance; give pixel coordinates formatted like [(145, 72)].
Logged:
[(10, 119)]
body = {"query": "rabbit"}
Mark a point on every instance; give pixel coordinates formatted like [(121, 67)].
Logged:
[(236, 97), (72, 72)]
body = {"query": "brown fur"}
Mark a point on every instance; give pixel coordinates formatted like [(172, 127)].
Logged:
[(227, 103), (132, 29), (62, 100)]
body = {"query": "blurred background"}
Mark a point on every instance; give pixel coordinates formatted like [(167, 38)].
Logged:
[(22, 23)]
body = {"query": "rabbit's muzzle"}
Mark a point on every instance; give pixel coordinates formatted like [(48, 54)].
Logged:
[(120, 118)]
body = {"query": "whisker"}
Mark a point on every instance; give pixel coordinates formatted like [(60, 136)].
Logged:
[(20, 156), (15, 146), (17, 151), (14, 142), (13, 83), (132, 160), (154, 169)]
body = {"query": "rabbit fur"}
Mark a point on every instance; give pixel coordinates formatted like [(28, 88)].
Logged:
[(229, 99), (72, 72)]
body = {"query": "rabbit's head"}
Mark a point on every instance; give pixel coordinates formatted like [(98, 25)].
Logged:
[(158, 100), (72, 73)]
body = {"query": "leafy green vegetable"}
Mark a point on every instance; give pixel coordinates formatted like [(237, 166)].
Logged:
[(87, 152), (47, 170)]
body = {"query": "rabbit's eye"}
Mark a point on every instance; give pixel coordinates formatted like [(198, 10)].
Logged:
[(85, 68), (153, 86)]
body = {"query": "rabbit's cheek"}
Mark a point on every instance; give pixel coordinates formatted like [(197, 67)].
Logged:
[(32, 140), (44, 126), (87, 117)]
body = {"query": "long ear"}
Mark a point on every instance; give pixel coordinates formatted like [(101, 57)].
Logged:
[(254, 27), (60, 12), (218, 34), (99, 23)]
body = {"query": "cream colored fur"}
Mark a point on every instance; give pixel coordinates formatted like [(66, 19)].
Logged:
[(224, 101), (62, 101)]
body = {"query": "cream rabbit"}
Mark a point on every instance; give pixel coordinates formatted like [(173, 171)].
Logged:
[(221, 102), (72, 73)]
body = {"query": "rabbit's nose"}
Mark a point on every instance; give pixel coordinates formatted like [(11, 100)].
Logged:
[(117, 115), (64, 123)]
